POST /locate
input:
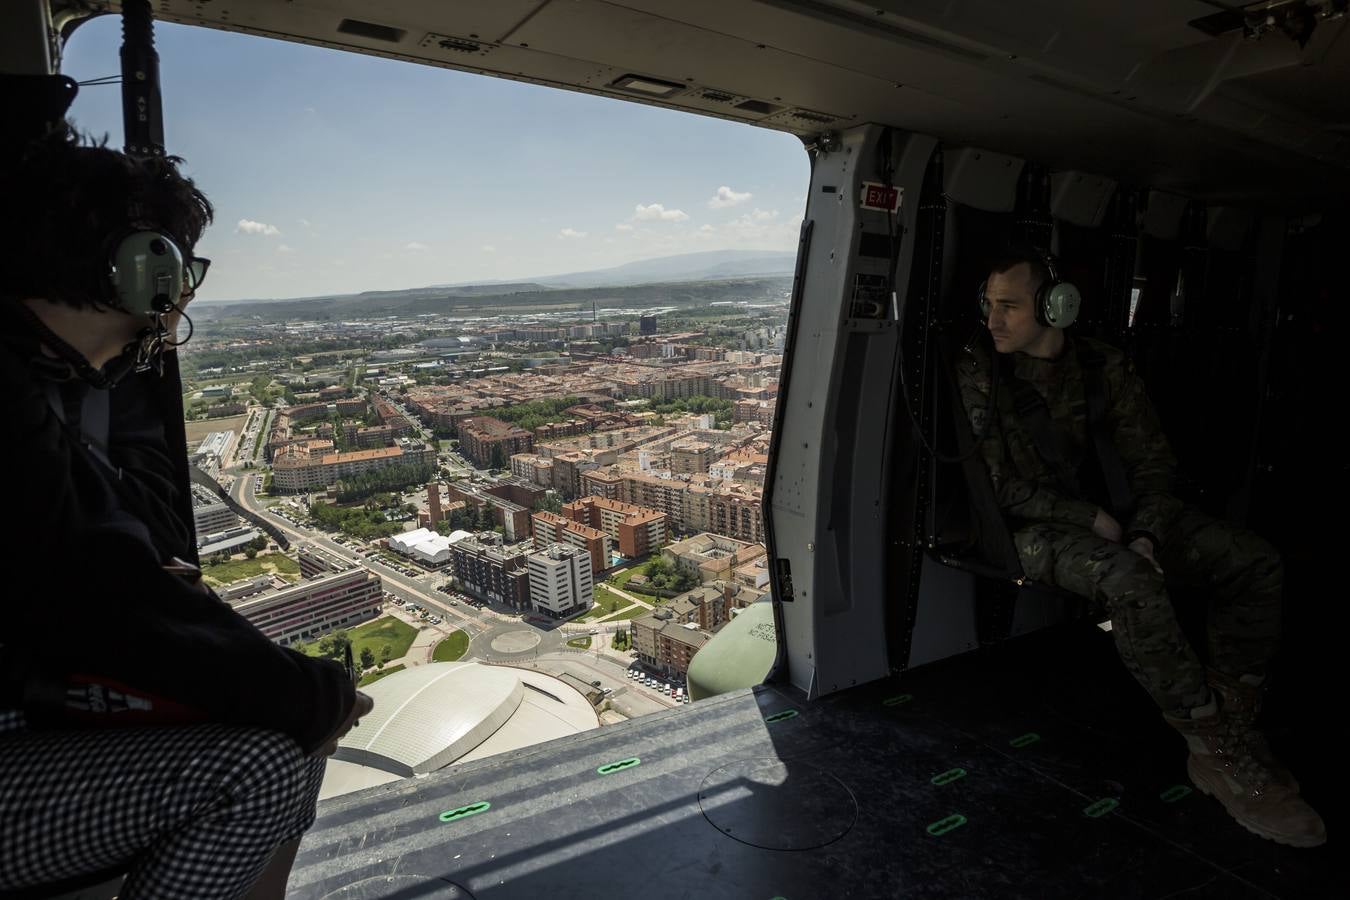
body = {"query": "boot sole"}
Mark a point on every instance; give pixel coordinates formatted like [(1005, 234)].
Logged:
[(1198, 779)]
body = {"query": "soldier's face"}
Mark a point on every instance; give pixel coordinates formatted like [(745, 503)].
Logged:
[(1012, 315)]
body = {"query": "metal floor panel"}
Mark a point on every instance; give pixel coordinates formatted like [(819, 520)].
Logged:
[(1054, 779)]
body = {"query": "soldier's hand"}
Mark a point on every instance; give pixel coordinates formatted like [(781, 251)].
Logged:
[(1106, 527), (1144, 547)]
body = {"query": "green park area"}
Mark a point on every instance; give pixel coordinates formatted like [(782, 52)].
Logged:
[(218, 574), (452, 648), (373, 637), (659, 575), (620, 579), (631, 613), (606, 602), (580, 643)]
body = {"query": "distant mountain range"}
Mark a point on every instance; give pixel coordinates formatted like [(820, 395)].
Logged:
[(710, 265)]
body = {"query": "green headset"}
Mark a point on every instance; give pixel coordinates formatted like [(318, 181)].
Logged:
[(146, 270), (1057, 302)]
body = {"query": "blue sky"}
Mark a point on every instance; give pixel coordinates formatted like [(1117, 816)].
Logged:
[(336, 172)]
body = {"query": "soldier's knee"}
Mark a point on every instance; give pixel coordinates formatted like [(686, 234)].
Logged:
[(1131, 581)]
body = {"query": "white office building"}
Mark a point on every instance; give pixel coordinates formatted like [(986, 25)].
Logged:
[(560, 580)]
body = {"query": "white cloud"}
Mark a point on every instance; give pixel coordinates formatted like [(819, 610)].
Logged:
[(727, 197), (571, 233), (623, 226), (414, 245), (488, 248), (248, 226), (285, 248), (305, 223), (758, 228), (656, 211)]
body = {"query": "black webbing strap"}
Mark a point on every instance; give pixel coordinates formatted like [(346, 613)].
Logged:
[(1034, 415), (989, 541), (1108, 456)]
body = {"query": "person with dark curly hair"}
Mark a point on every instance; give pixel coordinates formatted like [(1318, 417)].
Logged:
[(146, 728)]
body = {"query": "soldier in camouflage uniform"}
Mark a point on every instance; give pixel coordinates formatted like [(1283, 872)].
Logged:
[(1064, 537)]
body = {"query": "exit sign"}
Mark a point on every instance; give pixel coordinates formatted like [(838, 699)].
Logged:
[(879, 196)]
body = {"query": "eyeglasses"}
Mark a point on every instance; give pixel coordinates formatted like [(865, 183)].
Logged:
[(195, 272)]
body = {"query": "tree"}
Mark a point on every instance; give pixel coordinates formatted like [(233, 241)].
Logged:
[(386, 653), (367, 658), (258, 543), (337, 642), (250, 552)]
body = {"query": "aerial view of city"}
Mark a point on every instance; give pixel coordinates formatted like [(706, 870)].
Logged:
[(567, 491)]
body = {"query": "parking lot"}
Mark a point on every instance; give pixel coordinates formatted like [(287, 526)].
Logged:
[(659, 683)]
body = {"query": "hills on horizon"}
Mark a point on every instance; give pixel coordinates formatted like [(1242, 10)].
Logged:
[(709, 265)]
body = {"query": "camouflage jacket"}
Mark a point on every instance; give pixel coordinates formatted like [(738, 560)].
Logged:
[(1027, 488)]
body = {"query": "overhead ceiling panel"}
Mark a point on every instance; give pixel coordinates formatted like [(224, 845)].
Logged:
[(1130, 90)]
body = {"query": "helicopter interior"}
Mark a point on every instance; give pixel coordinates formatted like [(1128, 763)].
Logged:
[(932, 724)]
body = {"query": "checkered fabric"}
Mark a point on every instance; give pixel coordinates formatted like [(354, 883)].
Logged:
[(192, 811)]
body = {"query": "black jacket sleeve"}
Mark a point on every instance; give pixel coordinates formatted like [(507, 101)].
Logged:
[(92, 605), (127, 624)]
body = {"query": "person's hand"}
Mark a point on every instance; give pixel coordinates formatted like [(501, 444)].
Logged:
[(362, 706), (1106, 527), (1144, 547)]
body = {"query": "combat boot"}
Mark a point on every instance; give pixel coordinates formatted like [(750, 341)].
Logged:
[(1222, 766), (1241, 704)]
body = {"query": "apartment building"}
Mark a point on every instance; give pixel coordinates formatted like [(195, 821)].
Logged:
[(490, 571), (488, 441), (666, 644), (561, 581), (551, 528), (636, 530)]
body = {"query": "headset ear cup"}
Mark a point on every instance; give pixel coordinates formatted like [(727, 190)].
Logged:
[(146, 272), (1062, 302), (983, 303)]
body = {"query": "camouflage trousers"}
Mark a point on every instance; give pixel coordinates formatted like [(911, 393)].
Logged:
[(1240, 572)]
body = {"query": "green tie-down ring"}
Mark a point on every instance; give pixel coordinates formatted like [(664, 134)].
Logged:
[(611, 768), (473, 809)]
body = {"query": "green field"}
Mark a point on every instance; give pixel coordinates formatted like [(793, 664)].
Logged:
[(622, 578), (239, 569), (377, 675), (375, 635), (630, 613), (606, 602), (581, 643), (452, 648)]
